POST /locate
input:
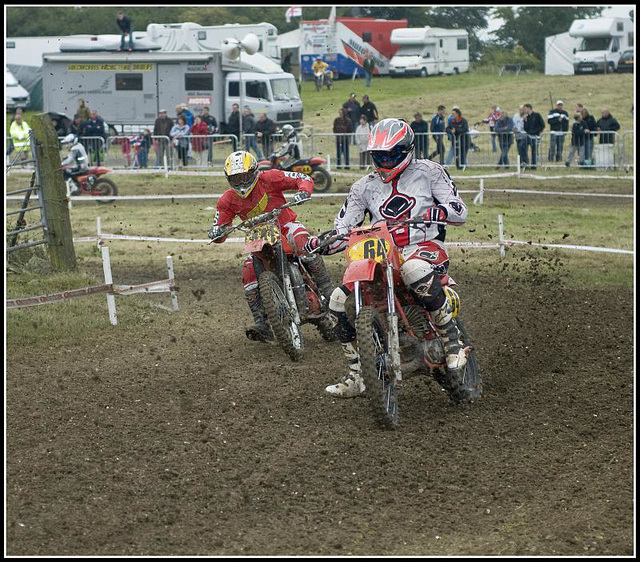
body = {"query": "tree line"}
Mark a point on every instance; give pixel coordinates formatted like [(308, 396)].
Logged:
[(523, 29)]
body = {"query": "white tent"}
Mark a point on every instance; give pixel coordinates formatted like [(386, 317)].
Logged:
[(289, 40), (558, 53)]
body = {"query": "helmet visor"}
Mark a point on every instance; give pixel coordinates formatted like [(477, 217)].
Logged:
[(243, 181), (388, 159)]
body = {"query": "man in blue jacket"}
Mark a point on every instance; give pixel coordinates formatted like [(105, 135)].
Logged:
[(437, 130), (124, 23)]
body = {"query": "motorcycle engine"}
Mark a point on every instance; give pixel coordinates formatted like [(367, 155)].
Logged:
[(91, 180)]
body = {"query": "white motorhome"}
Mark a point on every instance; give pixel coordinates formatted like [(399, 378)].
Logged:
[(428, 51), (14, 94), (603, 41), (130, 88)]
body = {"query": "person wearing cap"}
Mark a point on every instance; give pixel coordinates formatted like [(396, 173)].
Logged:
[(558, 120), (421, 131), (491, 119), (369, 110), (352, 107), (161, 131)]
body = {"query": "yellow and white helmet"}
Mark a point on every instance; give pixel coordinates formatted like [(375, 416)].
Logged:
[(241, 171)]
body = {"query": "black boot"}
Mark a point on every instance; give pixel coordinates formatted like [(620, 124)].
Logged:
[(261, 331), (320, 275)]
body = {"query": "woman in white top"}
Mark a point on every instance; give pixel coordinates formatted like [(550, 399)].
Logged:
[(362, 138), (521, 136)]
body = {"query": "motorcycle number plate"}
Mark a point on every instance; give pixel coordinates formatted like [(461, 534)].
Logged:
[(267, 232), (369, 249), (303, 169)]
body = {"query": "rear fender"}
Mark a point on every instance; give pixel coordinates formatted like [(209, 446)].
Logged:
[(316, 160)]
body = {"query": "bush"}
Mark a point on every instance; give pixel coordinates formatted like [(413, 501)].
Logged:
[(499, 56)]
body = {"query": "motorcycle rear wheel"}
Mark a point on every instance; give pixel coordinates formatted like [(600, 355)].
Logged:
[(278, 309), (373, 346), (104, 188), (321, 179)]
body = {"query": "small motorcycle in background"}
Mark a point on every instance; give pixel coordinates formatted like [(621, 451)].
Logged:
[(313, 167), (90, 183), (323, 78)]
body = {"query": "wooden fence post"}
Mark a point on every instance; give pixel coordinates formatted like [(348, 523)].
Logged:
[(54, 194)]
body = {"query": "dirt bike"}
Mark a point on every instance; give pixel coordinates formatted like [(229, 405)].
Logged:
[(323, 78), (396, 337), (90, 183), (289, 293), (311, 166)]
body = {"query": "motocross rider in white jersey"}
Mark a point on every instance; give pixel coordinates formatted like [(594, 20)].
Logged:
[(401, 188), (76, 161), (290, 148)]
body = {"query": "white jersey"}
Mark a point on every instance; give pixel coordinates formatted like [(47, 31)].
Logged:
[(421, 185), (77, 157)]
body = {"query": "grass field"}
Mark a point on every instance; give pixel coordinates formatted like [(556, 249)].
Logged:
[(473, 92)]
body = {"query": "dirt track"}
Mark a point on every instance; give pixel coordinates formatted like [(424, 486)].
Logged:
[(185, 439)]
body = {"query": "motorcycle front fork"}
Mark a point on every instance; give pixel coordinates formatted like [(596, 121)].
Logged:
[(393, 336)]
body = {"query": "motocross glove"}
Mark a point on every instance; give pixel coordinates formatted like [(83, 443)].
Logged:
[(216, 231), (437, 213), (311, 244), (301, 196)]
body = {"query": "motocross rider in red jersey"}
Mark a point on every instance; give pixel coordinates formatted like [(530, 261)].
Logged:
[(401, 188), (253, 193)]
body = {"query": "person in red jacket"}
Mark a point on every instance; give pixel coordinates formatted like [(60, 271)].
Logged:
[(200, 142), (253, 193)]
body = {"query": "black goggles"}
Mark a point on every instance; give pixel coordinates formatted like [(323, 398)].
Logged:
[(388, 159), (242, 180)]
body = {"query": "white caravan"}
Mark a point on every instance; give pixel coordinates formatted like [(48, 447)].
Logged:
[(428, 51), (603, 41), (14, 94)]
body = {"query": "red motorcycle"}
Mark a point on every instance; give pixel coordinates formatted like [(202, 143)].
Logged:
[(90, 183), (396, 338), (311, 166)]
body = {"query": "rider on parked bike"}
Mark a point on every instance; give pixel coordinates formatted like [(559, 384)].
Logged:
[(290, 149), (402, 188), (77, 161), (253, 193)]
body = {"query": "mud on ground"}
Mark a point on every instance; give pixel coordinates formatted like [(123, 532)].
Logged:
[(183, 438)]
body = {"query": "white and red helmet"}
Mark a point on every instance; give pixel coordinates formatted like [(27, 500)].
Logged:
[(391, 144)]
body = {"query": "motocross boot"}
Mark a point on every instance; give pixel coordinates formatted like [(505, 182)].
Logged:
[(454, 348), (320, 275), (351, 385), (261, 331)]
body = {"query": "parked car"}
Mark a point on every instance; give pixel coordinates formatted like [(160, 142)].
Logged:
[(14, 94), (625, 64)]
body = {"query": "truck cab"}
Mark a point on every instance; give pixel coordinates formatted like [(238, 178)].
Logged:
[(603, 41), (275, 94)]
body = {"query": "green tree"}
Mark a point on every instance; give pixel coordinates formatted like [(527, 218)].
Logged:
[(528, 26)]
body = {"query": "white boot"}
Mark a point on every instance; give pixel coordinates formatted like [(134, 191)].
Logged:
[(443, 319), (351, 385)]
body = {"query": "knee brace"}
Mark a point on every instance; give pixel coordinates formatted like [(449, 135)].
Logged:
[(337, 314), (423, 284)]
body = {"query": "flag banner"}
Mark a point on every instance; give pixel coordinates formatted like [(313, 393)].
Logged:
[(293, 12)]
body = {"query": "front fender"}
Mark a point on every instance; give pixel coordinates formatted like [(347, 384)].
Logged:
[(361, 270)]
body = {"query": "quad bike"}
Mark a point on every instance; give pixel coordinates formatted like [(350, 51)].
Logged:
[(396, 338), (323, 78), (311, 166), (289, 293), (90, 183)]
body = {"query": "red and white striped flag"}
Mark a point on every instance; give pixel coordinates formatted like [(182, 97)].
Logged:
[(293, 12)]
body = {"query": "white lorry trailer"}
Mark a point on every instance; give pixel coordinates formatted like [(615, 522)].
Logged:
[(428, 51), (130, 88), (603, 41)]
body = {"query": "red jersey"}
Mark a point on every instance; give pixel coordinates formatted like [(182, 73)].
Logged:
[(267, 194)]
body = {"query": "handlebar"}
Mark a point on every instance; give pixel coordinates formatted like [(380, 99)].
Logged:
[(390, 222), (254, 221)]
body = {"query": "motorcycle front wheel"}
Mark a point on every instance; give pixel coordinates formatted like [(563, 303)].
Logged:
[(321, 180), (471, 383), (373, 346), (279, 314), (104, 188)]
